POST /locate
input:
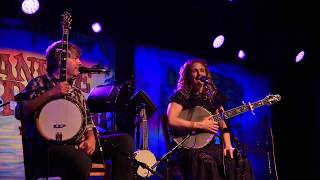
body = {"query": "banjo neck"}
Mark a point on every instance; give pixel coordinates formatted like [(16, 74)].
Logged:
[(270, 99), (145, 137), (66, 21)]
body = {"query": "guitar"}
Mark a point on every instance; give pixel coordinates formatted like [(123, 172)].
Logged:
[(199, 140), (145, 156)]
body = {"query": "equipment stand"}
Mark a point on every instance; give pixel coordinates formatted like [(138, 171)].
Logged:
[(165, 156)]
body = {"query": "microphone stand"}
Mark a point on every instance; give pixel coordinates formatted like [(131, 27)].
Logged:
[(4, 104), (271, 169), (165, 156)]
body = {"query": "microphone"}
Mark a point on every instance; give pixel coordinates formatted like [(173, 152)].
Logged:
[(92, 70), (204, 79)]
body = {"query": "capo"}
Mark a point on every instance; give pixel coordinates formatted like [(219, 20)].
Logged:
[(250, 107)]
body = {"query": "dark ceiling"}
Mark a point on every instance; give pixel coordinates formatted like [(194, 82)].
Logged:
[(271, 31)]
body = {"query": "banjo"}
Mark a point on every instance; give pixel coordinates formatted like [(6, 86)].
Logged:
[(199, 140), (62, 120), (144, 155)]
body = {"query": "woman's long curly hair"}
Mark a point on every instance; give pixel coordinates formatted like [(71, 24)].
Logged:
[(185, 79)]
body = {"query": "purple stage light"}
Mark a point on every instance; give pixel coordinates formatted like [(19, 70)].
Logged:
[(30, 6), (218, 41), (96, 27), (300, 56), (241, 54)]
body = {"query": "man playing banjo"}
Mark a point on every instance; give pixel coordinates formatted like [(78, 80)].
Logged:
[(54, 158), (58, 132), (65, 154)]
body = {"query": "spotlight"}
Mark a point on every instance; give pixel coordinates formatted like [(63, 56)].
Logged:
[(300, 56), (218, 41), (96, 27), (30, 6), (241, 54)]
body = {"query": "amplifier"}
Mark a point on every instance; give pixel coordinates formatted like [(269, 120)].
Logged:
[(107, 98)]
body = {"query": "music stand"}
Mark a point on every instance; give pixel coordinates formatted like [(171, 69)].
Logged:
[(142, 98)]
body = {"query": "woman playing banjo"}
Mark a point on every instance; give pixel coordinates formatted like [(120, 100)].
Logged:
[(195, 88)]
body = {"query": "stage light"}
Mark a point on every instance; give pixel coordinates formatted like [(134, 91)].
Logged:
[(241, 54), (299, 56), (218, 41), (96, 27), (30, 6)]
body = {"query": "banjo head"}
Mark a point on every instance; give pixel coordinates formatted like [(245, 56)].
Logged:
[(148, 158), (60, 116), (197, 139)]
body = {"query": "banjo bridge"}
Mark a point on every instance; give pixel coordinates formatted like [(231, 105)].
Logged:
[(59, 136)]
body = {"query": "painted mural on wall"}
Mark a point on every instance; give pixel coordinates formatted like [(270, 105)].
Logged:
[(17, 68)]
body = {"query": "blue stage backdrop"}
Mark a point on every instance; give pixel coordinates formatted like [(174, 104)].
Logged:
[(156, 72)]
